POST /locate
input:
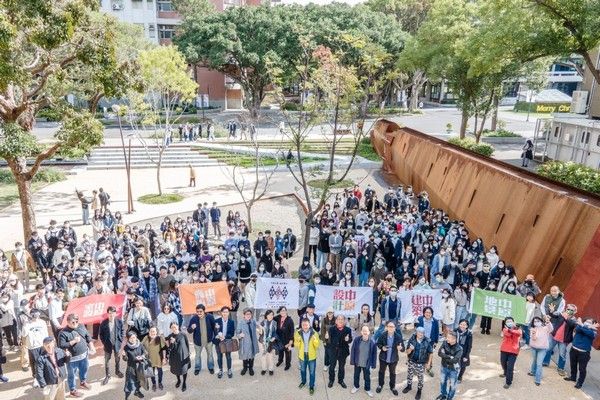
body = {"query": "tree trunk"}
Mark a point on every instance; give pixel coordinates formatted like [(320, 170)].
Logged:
[(25, 198), (494, 123), (158, 166), (417, 85), (249, 215), (463, 124), (307, 226)]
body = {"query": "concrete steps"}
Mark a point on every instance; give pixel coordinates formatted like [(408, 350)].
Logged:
[(175, 156)]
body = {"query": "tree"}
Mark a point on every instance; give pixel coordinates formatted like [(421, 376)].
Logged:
[(526, 30), (167, 88), (40, 42), (241, 43)]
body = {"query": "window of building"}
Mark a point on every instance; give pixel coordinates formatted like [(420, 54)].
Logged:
[(137, 4), (557, 132), (164, 5), (151, 31), (598, 141), (585, 137), (166, 31)]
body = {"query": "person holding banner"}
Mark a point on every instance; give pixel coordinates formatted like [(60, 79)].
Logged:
[(307, 342), (390, 344), (509, 349), (340, 337), (363, 356), (224, 331)]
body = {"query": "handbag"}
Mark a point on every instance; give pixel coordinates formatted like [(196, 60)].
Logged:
[(275, 345), (229, 345), (148, 371)]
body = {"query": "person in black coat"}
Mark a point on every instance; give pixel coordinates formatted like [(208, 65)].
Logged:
[(389, 343), (51, 370), (464, 338), (179, 355), (340, 337), (136, 356), (285, 333), (111, 336)]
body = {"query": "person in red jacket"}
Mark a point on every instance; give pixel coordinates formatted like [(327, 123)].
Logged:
[(509, 349)]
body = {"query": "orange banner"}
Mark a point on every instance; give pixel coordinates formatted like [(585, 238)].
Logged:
[(213, 295)]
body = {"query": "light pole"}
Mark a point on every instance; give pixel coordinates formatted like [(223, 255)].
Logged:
[(117, 110)]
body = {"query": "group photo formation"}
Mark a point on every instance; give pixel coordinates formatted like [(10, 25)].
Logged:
[(298, 199)]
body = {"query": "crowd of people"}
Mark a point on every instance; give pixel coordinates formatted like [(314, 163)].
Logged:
[(390, 243)]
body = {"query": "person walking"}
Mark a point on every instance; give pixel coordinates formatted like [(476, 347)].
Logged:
[(85, 207), (202, 328), (104, 199), (51, 370), (451, 354), (306, 340), (111, 337), (340, 337), (268, 341), (75, 339), (285, 333), (527, 154), (179, 355), (155, 346), (509, 349), (247, 332), (390, 343), (579, 356), (363, 355), (224, 331), (136, 356), (539, 343), (419, 351), (192, 175)]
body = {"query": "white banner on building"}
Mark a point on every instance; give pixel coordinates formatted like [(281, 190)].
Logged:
[(414, 301), (272, 293), (346, 301)]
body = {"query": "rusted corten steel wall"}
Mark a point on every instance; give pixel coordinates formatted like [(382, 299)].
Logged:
[(541, 227)]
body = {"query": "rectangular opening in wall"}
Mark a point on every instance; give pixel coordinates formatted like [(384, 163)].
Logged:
[(430, 168), (556, 266), (500, 223), (537, 216), (472, 197), (445, 170)]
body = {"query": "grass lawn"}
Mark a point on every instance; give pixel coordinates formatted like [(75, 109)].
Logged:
[(246, 161), (366, 150), (166, 198), (320, 184), (10, 194)]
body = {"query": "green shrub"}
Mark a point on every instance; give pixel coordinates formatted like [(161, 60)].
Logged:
[(499, 133), (481, 148), (573, 174), (50, 114), (291, 106), (166, 198), (366, 150), (320, 184), (45, 175)]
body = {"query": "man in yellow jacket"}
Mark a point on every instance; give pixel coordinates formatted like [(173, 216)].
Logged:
[(306, 341)]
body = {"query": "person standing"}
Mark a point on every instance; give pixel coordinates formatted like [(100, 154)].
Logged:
[(85, 207), (76, 340), (247, 332), (155, 346), (179, 355), (585, 333), (202, 328), (464, 337), (390, 311), (340, 337), (51, 370), (563, 324), (306, 340), (267, 340), (539, 343), (451, 354), (111, 336), (527, 153), (224, 330), (33, 333), (420, 353), (215, 218), (192, 175), (326, 323), (509, 349), (289, 244), (134, 354), (285, 333), (363, 355), (104, 200), (390, 343), (21, 262)]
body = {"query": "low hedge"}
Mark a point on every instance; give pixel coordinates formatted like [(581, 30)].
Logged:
[(499, 133), (46, 175), (577, 175), (481, 148)]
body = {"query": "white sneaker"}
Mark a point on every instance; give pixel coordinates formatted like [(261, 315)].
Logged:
[(325, 368), (524, 347), (36, 384), (369, 393), (354, 390)]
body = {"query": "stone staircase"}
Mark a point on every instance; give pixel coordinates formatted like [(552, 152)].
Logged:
[(175, 156)]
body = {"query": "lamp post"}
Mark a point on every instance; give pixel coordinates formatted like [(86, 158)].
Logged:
[(117, 110)]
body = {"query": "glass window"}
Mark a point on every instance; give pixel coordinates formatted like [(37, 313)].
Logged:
[(151, 31), (166, 31), (164, 5)]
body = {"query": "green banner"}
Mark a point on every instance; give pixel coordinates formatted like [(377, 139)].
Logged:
[(498, 305)]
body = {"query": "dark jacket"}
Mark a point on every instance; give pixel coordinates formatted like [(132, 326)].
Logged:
[(45, 372), (584, 337), (67, 334), (420, 356), (104, 334), (354, 352), (382, 341), (339, 342), (465, 339), (130, 356), (451, 355), (210, 329), (435, 329), (291, 240), (285, 332), (558, 320), (229, 331)]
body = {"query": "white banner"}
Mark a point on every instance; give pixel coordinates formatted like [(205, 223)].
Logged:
[(272, 293), (414, 301), (346, 301)]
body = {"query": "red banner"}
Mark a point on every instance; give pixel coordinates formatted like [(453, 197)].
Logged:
[(92, 309), (213, 295)]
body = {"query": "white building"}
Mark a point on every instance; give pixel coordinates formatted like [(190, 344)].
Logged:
[(139, 12)]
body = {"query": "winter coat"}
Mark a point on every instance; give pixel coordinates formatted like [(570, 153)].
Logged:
[(179, 353), (248, 343)]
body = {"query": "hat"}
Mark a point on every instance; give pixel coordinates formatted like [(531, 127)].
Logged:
[(330, 309), (421, 329)]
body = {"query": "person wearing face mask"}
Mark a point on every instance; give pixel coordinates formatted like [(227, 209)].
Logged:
[(363, 268), (448, 311), (305, 269), (539, 342), (335, 248), (579, 356), (21, 263), (507, 279), (563, 325), (509, 349), (440, 260), (421, 284), (529, 286), (532, 309), (439, 283), (250, 293), (464, 337), (486, 322), (390, 311)]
